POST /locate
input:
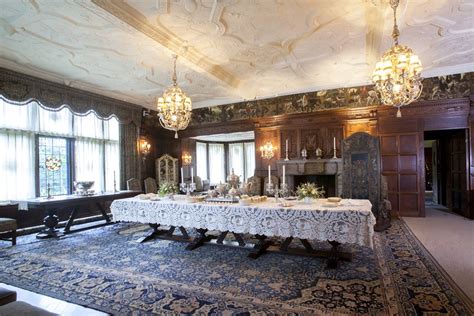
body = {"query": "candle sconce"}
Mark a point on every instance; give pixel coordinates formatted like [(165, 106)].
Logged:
[(267, 150), (187, 159), (145, 148)]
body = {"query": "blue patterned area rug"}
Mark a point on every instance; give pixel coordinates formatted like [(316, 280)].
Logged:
[(107, 270)]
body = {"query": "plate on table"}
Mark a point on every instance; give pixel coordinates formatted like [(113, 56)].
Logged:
[(285, 204), (291, 198), (330, 204)]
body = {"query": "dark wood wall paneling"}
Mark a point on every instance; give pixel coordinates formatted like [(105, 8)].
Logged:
[(401, 141)]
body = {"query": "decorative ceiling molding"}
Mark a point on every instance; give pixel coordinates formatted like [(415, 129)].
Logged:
[(375, 13), (165, 37)]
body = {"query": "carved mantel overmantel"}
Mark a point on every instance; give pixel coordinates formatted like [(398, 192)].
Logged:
[(310, 166), (299, 167)]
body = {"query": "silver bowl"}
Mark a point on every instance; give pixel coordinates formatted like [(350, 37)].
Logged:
[(83, 186)]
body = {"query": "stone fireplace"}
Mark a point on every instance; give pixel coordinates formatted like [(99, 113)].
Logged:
[(324, 172)]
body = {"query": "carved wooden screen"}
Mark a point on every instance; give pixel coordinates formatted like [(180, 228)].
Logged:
[(361, 168)]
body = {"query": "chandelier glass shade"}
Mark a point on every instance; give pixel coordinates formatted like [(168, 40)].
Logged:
[(174, 107), (397, 75)]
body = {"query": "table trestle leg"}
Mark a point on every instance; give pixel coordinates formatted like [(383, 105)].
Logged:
[(260, 247), (70, 221), (200, 240)]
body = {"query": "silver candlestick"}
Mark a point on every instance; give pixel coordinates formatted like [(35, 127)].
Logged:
[(270, 189), (284, 190), (187, 188)]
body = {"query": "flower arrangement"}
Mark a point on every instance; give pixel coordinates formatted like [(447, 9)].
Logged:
[(309, 190), (53, 163), (167, 188)]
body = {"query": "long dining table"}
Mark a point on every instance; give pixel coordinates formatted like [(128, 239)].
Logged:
[(347, 222)]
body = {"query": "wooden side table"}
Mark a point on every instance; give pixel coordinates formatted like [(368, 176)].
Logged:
[(8, 225)]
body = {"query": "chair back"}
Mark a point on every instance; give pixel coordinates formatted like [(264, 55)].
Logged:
[(198, 181), (134, 185), (256, 188), (275, 182), (150, 185)]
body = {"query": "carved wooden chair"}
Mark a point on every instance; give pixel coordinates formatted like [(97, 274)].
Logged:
[(275, 182), (150, 185), (134, 185), (256, 188)]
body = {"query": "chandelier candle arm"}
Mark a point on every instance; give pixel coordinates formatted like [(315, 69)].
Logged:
[(397, 75)]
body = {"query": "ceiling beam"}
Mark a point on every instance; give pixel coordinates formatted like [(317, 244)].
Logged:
[(168, 39), (375, 13)]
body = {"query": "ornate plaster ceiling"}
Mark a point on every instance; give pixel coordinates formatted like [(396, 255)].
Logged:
[(229, 50)]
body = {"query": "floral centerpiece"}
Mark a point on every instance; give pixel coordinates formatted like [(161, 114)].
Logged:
[(308, 191), (167, 188)]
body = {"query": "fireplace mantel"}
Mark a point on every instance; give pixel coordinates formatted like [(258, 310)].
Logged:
[(310, 166), (299, 167)]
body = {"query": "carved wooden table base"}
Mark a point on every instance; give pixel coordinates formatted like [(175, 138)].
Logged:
[(263, 245)]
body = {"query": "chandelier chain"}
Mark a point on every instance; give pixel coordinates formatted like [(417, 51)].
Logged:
[(396, 31), (175, 78)]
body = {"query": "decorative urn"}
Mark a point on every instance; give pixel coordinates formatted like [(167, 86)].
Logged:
[(319, 153)]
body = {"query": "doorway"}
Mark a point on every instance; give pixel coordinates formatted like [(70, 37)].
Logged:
[(446, 170)]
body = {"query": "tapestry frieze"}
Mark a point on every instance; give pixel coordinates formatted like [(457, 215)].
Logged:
[(436, 88), (21, 89)]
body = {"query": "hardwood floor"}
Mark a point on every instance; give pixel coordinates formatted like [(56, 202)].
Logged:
[(51, 304)]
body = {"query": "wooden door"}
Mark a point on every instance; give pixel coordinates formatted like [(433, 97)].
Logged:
[(436, 172), (403, 164), (456, 174)]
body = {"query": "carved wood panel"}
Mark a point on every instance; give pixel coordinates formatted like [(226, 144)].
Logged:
[(292, 136), (312, 139)]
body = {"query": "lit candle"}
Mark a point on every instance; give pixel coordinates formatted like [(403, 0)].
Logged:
[(192, 175), (269, 175), (182, 177), (284, 169), (287, 145), (334, 144)]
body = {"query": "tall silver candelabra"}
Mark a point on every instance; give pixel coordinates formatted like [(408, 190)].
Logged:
[(187, 188)]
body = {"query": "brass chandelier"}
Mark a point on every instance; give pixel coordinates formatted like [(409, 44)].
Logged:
[(174, 107), (397, 75)]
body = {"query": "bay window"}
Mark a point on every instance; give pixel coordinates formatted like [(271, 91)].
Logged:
[(79, 147), (214, 161)]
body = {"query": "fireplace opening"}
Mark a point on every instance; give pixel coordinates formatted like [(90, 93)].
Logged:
[(327, 181)]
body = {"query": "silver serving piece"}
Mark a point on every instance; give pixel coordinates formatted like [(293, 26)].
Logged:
[(187, 188), (304, 153), (83, 187)]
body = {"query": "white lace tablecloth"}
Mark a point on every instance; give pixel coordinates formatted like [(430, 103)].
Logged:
[(351, 222)]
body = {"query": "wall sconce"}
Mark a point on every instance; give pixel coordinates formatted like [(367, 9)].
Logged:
[(145, 147), (267, 150), (187, 159)]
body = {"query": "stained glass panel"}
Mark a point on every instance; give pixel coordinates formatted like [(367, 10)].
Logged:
[(53, 165)]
